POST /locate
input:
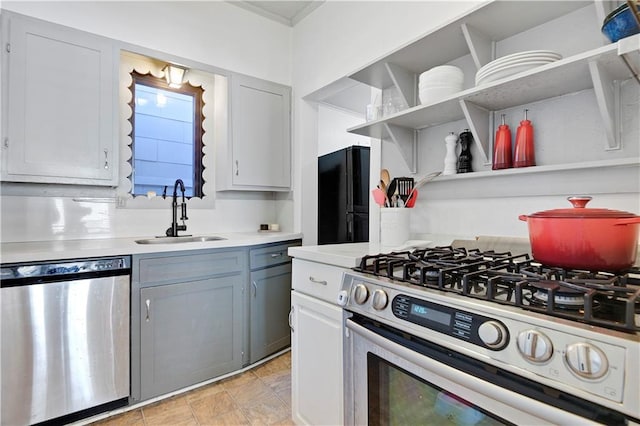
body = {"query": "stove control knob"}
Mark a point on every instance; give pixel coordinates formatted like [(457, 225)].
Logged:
[(493, 334), (379, 300), (360, 293), (586, 360), (535, 346), (343, 298)]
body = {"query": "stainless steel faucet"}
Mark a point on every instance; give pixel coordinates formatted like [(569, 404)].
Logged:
[(173, 230)]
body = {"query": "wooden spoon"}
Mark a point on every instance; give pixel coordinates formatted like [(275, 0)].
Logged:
[(385, 177)]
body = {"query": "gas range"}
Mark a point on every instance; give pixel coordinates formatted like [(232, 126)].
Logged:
[(575, 331), (597, 298)]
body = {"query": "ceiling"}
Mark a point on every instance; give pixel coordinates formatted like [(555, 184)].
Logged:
[(286, 12)]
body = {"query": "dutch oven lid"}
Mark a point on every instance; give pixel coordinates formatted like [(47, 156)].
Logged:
[(581, 212)]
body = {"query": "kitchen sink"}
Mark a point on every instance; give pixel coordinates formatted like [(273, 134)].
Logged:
[(175, 240)]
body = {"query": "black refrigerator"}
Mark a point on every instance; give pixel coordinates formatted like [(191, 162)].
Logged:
[(343, 196)]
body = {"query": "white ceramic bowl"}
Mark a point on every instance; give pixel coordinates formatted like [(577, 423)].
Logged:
[(443, 70), (457, 84), (442, 74), (434, 94)]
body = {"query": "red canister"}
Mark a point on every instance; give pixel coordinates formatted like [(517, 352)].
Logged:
[(524, 155), (502, 147)]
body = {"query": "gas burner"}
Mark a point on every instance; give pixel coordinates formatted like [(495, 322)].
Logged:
[(565, 298)]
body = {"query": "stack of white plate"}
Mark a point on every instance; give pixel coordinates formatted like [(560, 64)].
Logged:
[(513, 64), (439, 82)]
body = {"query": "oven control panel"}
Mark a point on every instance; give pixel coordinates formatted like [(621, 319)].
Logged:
[(573, 357), (468, 326)]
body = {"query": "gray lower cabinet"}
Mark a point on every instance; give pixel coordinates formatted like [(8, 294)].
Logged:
[(270, 300), (188, 325)]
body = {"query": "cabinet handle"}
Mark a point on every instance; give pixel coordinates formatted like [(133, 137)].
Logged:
[(274, 255), (148, 303), (255, 288), (106, 158), (313, 280), (290, 324), (237, 168)]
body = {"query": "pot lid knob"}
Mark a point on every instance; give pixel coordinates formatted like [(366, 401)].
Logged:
[(579, 202)]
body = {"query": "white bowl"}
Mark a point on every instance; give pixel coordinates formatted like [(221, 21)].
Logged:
[(434, 94), (442, 74), (440, 84), (443, 70)]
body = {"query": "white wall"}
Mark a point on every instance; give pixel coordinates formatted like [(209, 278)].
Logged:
[(213, 33), (331, 125), (342, 37), (337, 39)]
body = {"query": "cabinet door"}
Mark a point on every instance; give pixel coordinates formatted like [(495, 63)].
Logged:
[(316, 361), (60, 111), (270, 304), (261, 135), (190, 332)]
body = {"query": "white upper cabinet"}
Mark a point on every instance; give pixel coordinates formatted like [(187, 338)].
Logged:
[(58, 104), (257, 156)]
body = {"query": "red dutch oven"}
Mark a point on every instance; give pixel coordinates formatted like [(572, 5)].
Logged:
[(582, 238)]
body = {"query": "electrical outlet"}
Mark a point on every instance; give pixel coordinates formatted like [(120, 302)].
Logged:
[(121, 202)]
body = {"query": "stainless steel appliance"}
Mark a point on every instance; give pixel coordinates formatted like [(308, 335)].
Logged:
[(65, 339), (455, 336)]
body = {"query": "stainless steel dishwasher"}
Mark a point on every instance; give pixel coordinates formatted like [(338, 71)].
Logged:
[(65, 339)]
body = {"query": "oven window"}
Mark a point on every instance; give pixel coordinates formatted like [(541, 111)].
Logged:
[(397, 397)]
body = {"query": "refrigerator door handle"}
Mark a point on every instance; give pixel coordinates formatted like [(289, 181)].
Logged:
[(350, 227)]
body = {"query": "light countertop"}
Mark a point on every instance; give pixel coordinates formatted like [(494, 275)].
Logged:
[(348, 255), (34, 251)]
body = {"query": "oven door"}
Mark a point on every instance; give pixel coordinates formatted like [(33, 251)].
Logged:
[(393, 379)]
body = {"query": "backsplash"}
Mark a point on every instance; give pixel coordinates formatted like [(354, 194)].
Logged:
[(57, 218)]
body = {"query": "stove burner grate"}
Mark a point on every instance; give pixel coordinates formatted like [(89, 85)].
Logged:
[(597, 298)]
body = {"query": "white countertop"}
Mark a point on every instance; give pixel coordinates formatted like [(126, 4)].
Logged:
[(34, 251), (348, 255)]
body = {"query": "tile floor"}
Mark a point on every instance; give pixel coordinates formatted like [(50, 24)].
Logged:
[(260, 396)]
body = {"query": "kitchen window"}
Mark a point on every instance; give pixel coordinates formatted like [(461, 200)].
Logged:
[(166, 134)]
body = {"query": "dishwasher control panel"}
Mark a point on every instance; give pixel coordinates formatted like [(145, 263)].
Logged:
[(64, 268)]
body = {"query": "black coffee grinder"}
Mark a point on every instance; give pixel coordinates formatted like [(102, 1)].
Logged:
[(464, 160)]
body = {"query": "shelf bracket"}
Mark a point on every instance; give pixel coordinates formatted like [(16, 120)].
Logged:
[(407, 142), (405, 82), (606, 90), (481, 47), (479, 121)]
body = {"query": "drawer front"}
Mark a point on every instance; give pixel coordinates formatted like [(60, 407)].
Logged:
[(270, 256), (186, 266), (317, 279)]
